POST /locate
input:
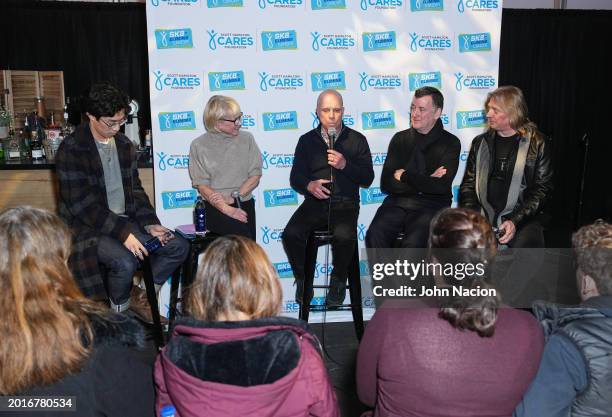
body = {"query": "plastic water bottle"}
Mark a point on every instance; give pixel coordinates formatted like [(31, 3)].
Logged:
[(200, 216), (167, 411)]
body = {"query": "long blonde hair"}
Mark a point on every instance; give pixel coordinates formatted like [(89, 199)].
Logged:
[(44, 327), (512, 101), (234, 276)]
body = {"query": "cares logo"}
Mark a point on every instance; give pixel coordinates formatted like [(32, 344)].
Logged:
[(229, 80), (417, 80), (284, 120), (173, 38), (277, 160), (471, 118), (378, 159), (229, 40), (176, 81), (379, 81), (347, 120), (280, 197), (280, 81), (379, 41), (283, 269), (165, 161), (213, 4), (426, 5), (279, 40), (280, 4), (325, 80), (179, 199), (157, 3), (378, 119), (331, 41), (271, 235), (474, 82), (381, 4), (477, 5), (372, 195), (429, 42)]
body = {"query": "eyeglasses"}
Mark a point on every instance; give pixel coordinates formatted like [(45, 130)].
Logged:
[(114, 123), (237, 121)]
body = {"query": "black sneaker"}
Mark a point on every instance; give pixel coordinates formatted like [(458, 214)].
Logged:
[(336, 293)]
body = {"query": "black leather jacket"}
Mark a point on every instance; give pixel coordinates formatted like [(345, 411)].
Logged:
[(536, 184)]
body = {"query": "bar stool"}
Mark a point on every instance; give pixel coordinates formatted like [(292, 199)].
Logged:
[(197, 245), (147, 276), (324, 237)]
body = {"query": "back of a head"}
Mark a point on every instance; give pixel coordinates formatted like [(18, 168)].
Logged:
[(593, 246), (462, 236), (39, 301), (104, 99), (234, 277)]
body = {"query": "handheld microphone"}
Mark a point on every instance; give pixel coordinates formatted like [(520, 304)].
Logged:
[(331, 133), (236, 197)]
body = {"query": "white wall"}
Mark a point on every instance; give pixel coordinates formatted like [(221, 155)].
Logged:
[(550, 4)]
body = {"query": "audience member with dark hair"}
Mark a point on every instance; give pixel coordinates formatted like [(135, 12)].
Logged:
[(102, 200), (452, 356), (233, 356), (575, 376), (56, 342)]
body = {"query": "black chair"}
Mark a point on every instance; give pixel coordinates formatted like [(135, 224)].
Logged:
[(324, 237), (147, 276)]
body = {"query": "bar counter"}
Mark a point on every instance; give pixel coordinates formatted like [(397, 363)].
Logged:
[(34, 183)]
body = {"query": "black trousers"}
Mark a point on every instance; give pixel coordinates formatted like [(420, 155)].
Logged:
[(224, 225), (312, 215), (396, 215)]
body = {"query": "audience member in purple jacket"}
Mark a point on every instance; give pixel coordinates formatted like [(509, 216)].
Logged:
[(457, 356), (233, 358)]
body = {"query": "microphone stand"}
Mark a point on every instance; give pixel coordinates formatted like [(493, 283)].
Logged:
[(584, 140)]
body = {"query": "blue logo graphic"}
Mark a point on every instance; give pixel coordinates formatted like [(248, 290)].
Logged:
[(182, 120), (381, 4), (277, 160), (455, 194), (372, 195), (283, 269), (176, 81), (282, 197), (477, 5), (173, 38), (323, 80), (429, 42), (284, 39), (445, 119), (156, 3), (331, 41), (474, 42), (378, 119), (426, 5), (280, 81), (229, 40), (166, 161), (472, 118), (379, 81), (417, 80), (361, 232), (474, 82), (378, 159), (364, 269), (270, 235), (213, 4), (327, 4), (379, 41), (230, 80), (179, 199), (282, 4), (285, 120)]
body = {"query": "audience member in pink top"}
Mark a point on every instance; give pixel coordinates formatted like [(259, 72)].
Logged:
[(453, 356), (233, 357)]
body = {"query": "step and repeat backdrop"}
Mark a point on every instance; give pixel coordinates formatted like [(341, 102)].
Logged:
[(275, 57)]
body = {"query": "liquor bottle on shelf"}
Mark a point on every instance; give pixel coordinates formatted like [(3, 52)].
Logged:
[(67, 127), (36, 145)]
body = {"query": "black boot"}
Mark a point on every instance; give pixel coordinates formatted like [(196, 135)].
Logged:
[(337, 292), (299, 292)]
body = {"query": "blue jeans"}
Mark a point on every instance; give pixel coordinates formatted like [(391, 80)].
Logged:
[(121, 264)]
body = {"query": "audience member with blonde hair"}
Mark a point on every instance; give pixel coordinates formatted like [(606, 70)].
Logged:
[(56, 342), (454, 355), (234, 356)]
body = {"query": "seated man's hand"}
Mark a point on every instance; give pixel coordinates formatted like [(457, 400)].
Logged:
[(510, 230), (159, 231), (398, 174), (439, 173), (335, 159), (133, 245), (317, 189)]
